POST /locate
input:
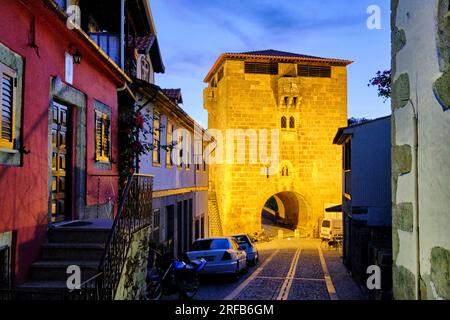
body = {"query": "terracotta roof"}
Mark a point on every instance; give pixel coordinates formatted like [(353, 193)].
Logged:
[(276, 53), (174, 94), (142, 43), (273, 56)]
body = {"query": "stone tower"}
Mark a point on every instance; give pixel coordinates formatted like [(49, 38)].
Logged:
[(302, 100)]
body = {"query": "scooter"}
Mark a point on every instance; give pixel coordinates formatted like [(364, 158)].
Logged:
[(181, 276)]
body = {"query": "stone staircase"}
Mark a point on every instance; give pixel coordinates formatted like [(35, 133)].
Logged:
[(215, 224), (80, 243)]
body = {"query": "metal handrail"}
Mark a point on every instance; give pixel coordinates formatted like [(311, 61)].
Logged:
[(134, 214)]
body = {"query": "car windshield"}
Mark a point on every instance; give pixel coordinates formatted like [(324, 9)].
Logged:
[(211, 244), (242, 240), (326, 223)]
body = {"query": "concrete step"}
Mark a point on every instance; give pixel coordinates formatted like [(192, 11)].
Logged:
[(57, 270), (43, 290), (78, 235), (73, 251)]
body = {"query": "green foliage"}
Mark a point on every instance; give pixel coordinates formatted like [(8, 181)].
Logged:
[(354, 121), (383, 83), (135, 139)]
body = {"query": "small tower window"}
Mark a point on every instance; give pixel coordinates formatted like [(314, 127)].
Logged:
[(292, 123), (285, 171), (295, 101), (283, 123), (286, 101)]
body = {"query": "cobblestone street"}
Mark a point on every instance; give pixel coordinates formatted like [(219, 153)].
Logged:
[(287, 270)]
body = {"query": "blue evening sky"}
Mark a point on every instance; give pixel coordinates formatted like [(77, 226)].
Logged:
[(193, 33)]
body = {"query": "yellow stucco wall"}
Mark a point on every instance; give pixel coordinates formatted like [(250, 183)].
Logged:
[(255, 101)]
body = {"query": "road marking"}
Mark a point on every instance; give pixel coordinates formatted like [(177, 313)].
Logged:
[(287, 284), (293, 278), (330, 287), (244, 284)]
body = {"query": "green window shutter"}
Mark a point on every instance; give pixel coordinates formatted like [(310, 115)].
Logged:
[(107, 137), (7, 108), (98, 136)]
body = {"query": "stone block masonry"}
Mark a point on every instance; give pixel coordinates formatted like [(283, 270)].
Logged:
[(307, 111)]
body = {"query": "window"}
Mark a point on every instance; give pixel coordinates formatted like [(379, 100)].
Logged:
[(220, 75), (211, 244), (8, 105), (213, 83), (180, 150), (187, 145), (102, 136), (314, 71), (283, 123), (155, 225), (156, 139), (261, 68), (291, 123), (202, 227), (285, 171), (286, 101), (198, 152), (170, 129), (204, 158), (295, 100), (197, 229)]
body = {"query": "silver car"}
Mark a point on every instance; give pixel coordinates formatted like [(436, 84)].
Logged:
[(246, 244), (222, 255)]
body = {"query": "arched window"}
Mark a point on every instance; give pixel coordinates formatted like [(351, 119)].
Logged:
[(283, 122), (292, 123)]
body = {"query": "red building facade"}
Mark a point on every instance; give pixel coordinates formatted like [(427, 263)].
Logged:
[(58, 143)]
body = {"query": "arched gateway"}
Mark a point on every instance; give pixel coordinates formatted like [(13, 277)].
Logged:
[(298, 103)]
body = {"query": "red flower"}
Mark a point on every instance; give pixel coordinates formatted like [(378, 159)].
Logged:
[(139, 120)]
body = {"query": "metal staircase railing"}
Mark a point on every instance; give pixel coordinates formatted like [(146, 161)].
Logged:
[(134, 214)]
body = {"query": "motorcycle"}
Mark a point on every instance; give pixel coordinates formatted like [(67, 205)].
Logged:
[(180, 276)]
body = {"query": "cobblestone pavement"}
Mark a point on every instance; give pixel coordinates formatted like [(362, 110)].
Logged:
[(288, 270)]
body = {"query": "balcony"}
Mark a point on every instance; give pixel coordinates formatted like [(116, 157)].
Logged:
[(209, 97), (109, 43)]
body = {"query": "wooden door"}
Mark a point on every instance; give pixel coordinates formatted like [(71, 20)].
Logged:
[(61, 164)]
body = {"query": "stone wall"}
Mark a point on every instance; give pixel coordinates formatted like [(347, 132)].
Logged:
[(254, 101), (132, 282), (421, 149)]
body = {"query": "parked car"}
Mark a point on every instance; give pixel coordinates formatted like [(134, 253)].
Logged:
[(331, 228), (246, 244), (222, 255)]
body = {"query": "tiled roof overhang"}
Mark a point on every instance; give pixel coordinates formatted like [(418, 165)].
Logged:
[(273, 58)]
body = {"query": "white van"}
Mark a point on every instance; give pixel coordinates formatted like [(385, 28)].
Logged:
[(331, 228)]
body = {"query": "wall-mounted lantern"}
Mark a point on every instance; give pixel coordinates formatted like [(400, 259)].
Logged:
[(75, 54)]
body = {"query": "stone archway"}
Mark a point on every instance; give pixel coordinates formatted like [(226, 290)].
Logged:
[(286, 209)]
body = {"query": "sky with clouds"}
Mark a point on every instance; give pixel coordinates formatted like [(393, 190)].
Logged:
[(193, 33)]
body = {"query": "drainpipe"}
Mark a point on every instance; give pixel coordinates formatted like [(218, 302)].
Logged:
[(416, 156), (416, 133), (122, 34)]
